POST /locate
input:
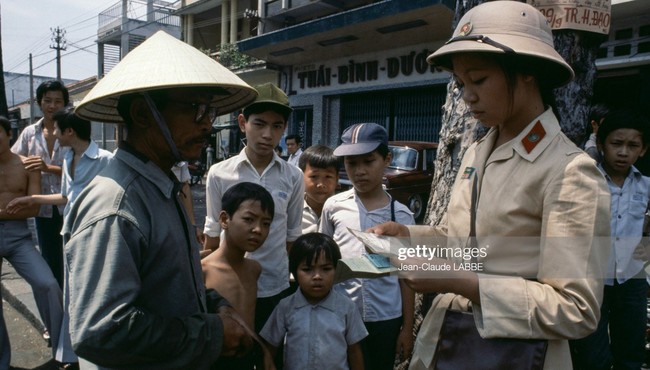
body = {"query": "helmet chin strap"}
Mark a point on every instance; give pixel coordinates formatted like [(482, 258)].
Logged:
[(163, 127)]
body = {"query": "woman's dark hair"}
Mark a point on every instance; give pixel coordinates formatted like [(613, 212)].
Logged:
[(624, 119), (512, 65), (66, 118), (318, 156), (243, 191), (308, 247), (52, 85)]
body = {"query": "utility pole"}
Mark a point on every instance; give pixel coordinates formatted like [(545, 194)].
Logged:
[(58, 43), (31, 90)]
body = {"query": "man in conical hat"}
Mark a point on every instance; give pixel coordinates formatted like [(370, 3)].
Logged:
[(136, 295)]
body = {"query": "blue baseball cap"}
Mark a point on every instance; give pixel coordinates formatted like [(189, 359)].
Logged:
[(361, 138)]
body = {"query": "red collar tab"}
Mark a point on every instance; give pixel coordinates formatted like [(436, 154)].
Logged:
[(534, 136)]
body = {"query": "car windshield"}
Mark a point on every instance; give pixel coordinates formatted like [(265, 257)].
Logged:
[(403, 158)]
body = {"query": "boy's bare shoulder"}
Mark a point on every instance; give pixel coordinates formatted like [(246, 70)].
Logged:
[(253, 266), (212, 263), (14, 168)]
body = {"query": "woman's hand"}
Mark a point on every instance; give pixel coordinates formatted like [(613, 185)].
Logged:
[(391, 229)]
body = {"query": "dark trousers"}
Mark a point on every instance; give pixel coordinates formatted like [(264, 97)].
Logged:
[(379, 346), (619, 340), (50, 242)]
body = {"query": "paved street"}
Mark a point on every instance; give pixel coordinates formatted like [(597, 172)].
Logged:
[(29, 349)]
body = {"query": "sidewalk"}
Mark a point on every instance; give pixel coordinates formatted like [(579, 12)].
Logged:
[(18, 293)]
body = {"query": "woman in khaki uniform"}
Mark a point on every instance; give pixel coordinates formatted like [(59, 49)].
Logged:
[(541, 206)]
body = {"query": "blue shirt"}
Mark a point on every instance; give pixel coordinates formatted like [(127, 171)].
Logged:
[(317, 336), (629, 204), (377, 299), (90, 163)]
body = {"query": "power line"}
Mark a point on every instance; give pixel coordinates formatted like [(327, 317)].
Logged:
[(39, 47), (58, 43), (89, 37)]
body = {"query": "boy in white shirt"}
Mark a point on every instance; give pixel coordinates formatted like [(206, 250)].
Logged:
[(385, 303), (263, 122)]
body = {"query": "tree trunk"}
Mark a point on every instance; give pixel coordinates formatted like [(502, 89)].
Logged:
[(573, 100)]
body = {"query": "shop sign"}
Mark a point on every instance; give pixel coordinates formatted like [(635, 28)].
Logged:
[(399, 66), (582, 15)]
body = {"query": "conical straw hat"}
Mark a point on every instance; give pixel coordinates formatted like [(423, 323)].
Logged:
[(163, 62)]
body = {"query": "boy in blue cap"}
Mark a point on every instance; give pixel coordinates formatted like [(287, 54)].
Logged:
[(386, 304)]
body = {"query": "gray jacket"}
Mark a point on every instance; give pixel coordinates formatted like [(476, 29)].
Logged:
[(137, 299)]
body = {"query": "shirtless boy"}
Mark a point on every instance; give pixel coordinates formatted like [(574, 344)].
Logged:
[(245, 220), (18, 247)]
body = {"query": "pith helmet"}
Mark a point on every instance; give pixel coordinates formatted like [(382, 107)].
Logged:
[(506, 27)]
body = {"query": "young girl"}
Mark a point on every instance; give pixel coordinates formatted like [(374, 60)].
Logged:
[(524, 189), (323, 328)]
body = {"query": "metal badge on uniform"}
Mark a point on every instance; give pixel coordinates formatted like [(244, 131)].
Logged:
[(535, 135), (466, 29), (468, 173)]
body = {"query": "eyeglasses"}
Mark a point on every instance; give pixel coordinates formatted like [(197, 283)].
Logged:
[(482, 39), (202, 109)]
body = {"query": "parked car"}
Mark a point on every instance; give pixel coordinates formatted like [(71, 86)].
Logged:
[(408, 177)]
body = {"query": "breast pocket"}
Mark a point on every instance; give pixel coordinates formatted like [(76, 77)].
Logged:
[(281, 200), (638, 206)]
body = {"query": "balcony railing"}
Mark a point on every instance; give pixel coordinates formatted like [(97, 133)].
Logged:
[(137, 10)]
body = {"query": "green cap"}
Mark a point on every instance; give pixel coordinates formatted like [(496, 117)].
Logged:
[(270, 97)]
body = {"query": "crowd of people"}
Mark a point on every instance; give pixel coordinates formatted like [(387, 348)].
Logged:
[(126, 279)]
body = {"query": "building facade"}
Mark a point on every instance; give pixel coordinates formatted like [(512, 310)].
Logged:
[(345, 62)]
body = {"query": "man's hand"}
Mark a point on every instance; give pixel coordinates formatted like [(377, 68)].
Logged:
[(237, 337), (35, 163), (18, 204), (205, 252), (200, 236)]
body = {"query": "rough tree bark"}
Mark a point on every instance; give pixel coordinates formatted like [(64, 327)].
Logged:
[(573, 101), (459, 129)]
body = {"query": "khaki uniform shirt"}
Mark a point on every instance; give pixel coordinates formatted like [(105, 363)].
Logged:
[(543, 209)]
